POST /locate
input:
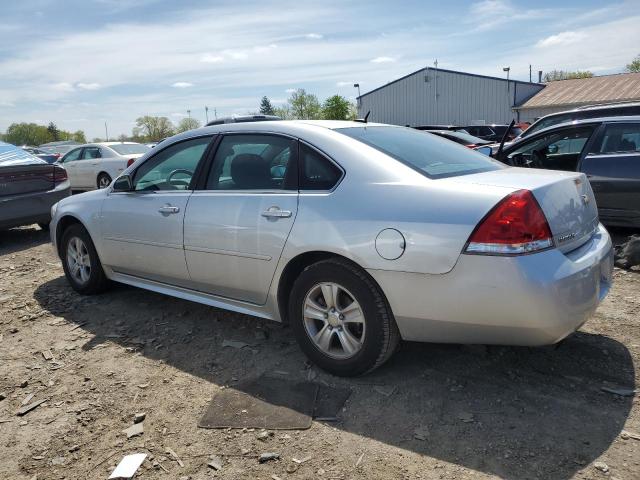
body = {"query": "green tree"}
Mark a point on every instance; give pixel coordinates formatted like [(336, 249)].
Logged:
[(53, 131), (283, 112), (304, 106), (27, 134), (634, 66), (78, 136), (555, 75), (265, 107), (154, 129), (337, 107), (187, 124)]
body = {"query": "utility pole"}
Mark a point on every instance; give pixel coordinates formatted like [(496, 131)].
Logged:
[(206, 113), (106, 132), (357, 85), (189, 113), (215, 113), (529, 73)]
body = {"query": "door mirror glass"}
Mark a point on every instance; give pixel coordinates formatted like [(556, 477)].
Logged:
[(484, 150), (552, 148), (123, 184)]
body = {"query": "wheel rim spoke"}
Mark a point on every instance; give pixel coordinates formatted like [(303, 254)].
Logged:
[(349, 343), (323, 337), (78, 260), (330, 294)]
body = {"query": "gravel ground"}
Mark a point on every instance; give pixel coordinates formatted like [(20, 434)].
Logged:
[(433, 411)]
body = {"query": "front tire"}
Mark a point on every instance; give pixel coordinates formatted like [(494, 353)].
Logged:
[(104, 180), (80, 261), (341, 319)]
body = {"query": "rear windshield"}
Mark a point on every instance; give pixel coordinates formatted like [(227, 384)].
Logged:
[(130, 148), (430, 155), (11, 155)]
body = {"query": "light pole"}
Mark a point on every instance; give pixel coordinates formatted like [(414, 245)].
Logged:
[(206, 113), (357, 85), (507, 69), (189, 113)]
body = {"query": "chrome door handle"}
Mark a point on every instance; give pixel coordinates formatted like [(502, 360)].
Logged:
[(169, 209), (275, 212)]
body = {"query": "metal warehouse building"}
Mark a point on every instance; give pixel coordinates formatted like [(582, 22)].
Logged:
[(433, 96)]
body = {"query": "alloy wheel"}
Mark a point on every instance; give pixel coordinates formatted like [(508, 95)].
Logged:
[(103, 181), (78, 260), (334, 320)]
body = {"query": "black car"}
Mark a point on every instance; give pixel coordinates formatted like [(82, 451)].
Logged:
[(593, 111), (493, 132), (41, 154), (243, 119), (29, 187), (606, 150)]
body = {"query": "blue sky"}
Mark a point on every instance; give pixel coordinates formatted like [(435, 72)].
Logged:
[(81, 63)]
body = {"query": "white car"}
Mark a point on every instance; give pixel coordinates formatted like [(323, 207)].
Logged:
[(94, 165)]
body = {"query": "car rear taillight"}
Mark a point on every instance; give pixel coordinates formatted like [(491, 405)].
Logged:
[(471, 145), (59, 175), (130, 162), (516, 225)]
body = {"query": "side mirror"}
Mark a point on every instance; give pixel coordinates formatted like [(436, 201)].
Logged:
[(552, 149), (123, 183), (484, 150)]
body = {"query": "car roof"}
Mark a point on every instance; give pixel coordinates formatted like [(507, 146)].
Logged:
[(244, 118), (587, 121)]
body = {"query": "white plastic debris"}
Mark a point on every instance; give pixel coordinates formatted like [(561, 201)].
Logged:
[(128, 466)]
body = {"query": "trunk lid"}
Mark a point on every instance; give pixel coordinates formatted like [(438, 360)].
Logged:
[(566, 199), (26, 178)]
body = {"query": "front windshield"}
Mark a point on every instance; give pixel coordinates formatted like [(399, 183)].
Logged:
[(130, 148), (430, 155)]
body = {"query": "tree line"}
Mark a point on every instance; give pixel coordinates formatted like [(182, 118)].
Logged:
[(306, 106), (33, 134)]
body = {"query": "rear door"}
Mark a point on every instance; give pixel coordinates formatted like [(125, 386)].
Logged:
[(88, 166), (613, 168), (237, 223)]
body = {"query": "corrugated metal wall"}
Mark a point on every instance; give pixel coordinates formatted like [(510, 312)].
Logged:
[(461, 99)]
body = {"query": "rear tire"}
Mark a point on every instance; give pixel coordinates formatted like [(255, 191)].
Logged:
[(352, 333), (80, 261), (104, 180)]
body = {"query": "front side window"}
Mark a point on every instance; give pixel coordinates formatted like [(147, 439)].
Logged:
[(432, 156), (72, 156), (172, 168), (253, 162), (555, 151), (619, 138)]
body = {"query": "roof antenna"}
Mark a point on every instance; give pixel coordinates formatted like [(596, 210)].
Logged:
[(365, 119)]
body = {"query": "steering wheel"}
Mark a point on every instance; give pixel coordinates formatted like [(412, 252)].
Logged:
[(177, 171)]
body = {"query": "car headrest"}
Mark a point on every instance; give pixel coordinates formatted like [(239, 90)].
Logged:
[(249, 171)]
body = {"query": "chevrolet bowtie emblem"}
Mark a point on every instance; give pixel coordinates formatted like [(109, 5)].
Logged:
[(585, 199)]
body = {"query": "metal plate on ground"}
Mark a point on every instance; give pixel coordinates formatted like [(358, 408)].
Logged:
[(267, 402)]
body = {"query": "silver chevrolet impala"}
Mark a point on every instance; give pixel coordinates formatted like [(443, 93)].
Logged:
[(357, 235)]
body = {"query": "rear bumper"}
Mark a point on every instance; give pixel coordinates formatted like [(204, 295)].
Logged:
[(529, 300), (30, 208)]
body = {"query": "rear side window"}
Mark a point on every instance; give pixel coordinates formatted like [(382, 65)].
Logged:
[(317, 172), (91, 152), (432, 156), (619, 138)]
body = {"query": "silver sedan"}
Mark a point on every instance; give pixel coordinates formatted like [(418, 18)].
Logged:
[(357, 235)]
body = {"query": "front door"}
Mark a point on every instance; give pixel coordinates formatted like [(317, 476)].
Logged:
[(142, 230), (70, 163), (88, 167), (236, 226)]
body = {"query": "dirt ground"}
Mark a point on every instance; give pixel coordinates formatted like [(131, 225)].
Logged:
[(433, 411)]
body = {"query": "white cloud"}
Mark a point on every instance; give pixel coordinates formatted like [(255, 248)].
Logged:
[(88, 86), (182, 85), (210, 58), (343, 84), (63, 87), (563, 38), (291, 90), (383, 60), (179, 115), (314, 36), (236, 54)]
